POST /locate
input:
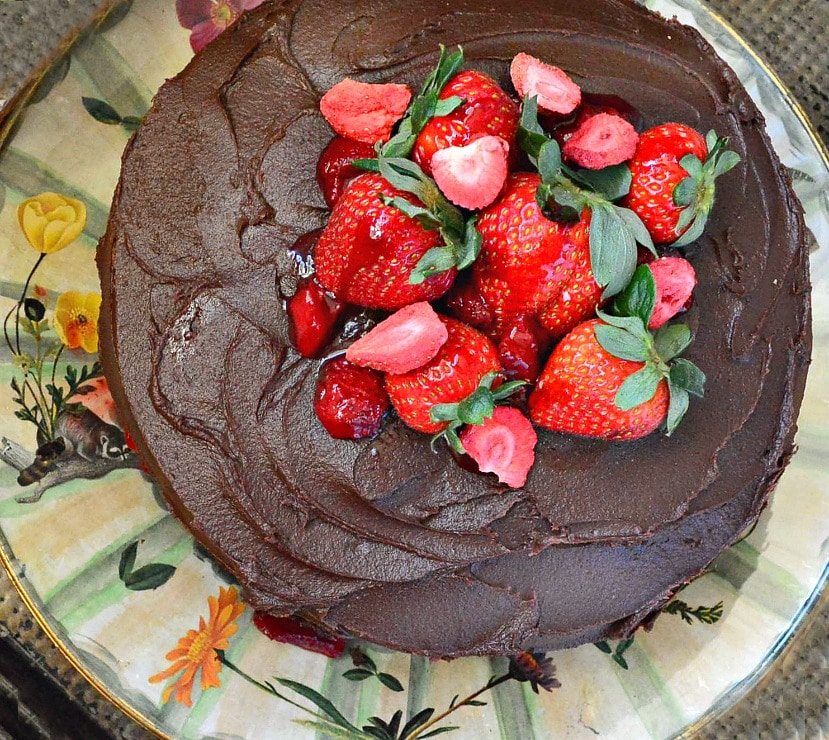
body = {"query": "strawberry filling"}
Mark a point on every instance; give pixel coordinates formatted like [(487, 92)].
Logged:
[(313, 316), (295, 631), (504, 444), (363, 111), (675, 280), (335, 170), (555, 91), (350, 401), (472, 176), (601, 141), (406, 340)]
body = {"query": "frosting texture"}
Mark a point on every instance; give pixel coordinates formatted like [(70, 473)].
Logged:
[(382, 538)]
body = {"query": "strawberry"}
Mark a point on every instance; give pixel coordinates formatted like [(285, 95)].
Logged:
[(611, 378), (465, 303), (486, 110), (577, 294), (504, 444), (350, 401), (674, 281), (299, 632), (555, 91), (601, 141), (473, 175), (674, 171), (452, 375), (520, 263), (313, 315), (404, 341), (368, 249), (335, 169), (521, 344), (364, 111)]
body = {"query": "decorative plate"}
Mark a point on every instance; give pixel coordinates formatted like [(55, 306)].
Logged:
[(155, 626)]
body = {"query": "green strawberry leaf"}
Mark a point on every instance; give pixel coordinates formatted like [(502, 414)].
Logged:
[(711, 140), (632, 324), (467, 251), (447, 106), (726, 161), (444, 412), (636, 227), (507, 389), (452, 438), (686, 190), (369, 165), (564, 211), (531, 137), (677, 406), (691, 164), (695, 232), (639, 297), (687, 376), (424, 216), (435, 261), (477, 407), (612, 250), (611, 182), (549, 161), (638, 388), (672, 340), (622, 343)]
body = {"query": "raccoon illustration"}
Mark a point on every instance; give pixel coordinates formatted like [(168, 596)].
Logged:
[(77, 433)]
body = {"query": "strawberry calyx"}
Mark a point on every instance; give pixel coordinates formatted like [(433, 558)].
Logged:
[(565, 192), (461, 238), (474, 410), (695, 194), (628, 338)]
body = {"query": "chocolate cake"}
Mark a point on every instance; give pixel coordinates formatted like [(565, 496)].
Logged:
[(383, 538)]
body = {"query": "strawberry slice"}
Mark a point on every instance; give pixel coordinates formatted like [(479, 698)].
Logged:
[(350, 401), (555, 91), (296, 631), (363, 111), (406, 340), (472, 176), (601, 141), (675, 280), (503, 445)]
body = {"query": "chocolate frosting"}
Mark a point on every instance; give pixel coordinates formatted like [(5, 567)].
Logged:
[(383, 538)]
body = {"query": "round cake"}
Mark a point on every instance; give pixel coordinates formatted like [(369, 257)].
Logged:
[(383, 538)]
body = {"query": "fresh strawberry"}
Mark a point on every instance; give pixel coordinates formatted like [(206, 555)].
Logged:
[(521, 345), (473, 175), (601, 141), (313, 315), (555, 91), (674, 278), (298, 632), (577, 390), (578, 294), (452, 375), (611, 378), (504, 444), (520, 264), (350, 401), (364, 111), (404, 341), (465, 303), (368, 250), (486, 110), (674, 171), (335, 169)]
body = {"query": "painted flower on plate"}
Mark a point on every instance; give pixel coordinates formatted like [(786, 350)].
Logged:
[(196, 651), (76, 320), (51, 221), (206, 19)]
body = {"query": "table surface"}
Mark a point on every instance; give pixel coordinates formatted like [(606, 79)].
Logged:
[(43, 696)]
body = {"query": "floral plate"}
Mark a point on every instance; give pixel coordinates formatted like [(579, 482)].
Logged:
[(155, 626)]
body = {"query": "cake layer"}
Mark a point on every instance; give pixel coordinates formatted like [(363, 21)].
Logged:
[(383, 538)]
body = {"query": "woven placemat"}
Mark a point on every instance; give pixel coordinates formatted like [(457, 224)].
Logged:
[(793, 698)]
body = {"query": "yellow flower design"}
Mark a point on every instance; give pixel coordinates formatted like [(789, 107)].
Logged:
[(76, 320), (51, 221), (197, 649)]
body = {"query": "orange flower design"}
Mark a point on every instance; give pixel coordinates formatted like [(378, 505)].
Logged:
[(197, 649), (76, 320)]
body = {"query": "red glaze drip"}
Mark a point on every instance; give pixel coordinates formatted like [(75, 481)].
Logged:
[(298, 632), (334, 168)]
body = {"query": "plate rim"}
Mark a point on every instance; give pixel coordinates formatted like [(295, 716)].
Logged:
[(16, 105)]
